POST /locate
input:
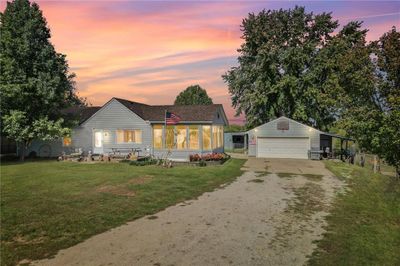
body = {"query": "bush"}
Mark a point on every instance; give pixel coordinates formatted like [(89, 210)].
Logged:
[(195, 158), (143, 162), (209, 157)]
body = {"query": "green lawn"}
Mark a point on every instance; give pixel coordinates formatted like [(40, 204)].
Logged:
[(364, 226), (47, 206)]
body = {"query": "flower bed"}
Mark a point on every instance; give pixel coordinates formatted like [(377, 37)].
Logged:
[(210, 157)]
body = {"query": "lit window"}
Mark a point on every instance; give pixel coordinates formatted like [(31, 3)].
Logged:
[(194, 137), (221, 136), (218, 137), (181, 136), (215, 137), (129, 136), (170, 137), (206, 137), (157, 136), (67, 141)]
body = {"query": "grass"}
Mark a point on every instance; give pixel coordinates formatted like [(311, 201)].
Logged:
[(238, 150), (311, 177), (286, 175), (369, 162), (47, 206), (262, 173), (364, 225), (307, 201), (256, 180)]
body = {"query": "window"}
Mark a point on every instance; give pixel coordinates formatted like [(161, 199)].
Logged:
[(157, 136), (194, 137), (181, 137), (129, 136), (218, 137), (221, 136), (170, 137), (67, 141), (215, 137), (206, 137)]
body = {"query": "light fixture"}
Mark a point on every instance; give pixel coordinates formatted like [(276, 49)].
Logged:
[(310, 129)]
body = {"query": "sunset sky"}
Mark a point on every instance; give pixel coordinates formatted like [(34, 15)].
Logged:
[(148, 51)]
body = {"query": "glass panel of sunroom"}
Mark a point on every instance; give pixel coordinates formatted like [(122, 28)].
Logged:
[(170, 137), (181, 135), (194, 137), (157, 136), (206, 137), (215, 137)]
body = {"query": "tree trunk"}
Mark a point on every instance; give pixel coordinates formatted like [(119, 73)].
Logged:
[(375, 164), (398, 172), (22, 147)]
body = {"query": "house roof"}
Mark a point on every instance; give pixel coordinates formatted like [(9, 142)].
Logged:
[(156, 113), (82, 113)]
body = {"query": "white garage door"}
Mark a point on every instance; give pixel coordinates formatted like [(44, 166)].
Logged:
[(283, 147)]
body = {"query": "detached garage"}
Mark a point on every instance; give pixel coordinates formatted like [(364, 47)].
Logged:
[(284, 138)]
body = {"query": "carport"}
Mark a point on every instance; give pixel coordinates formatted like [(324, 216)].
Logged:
[(327, 149)]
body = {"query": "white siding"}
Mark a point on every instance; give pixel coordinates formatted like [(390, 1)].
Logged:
[(110, 118)]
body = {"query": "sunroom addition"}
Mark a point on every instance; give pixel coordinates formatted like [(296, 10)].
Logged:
[(188, 137)]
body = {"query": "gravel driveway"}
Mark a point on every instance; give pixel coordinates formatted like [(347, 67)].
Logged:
[(263, 218)]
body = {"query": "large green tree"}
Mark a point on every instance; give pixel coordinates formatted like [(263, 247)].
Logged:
[(35, 82), (193, 94), (376, 123), (272, 78)]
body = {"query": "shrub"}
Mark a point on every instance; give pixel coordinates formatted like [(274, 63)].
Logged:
[(195, 157), (209, 157), (143, 163)]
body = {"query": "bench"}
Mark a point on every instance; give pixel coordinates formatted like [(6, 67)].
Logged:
[(124, 152)]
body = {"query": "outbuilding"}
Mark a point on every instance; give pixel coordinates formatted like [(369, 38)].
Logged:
[(234, 141), (287, 138)]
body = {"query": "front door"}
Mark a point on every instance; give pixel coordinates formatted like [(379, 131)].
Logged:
[(98, 142)]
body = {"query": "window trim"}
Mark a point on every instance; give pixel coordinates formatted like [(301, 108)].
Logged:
[(210, 148), (161, 127), (198, 137), (129, 129)]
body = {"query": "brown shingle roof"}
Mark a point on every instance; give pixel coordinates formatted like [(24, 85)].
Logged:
[(195, 113)]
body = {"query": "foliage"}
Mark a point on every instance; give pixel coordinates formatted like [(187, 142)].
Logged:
[(208, 157), (193, 95), (388, 51), (363, 227), (375, 120), (17, 127), (143, 163), (273, 78), (68, 204), (234, 128), (291, 64), (35, 83)]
